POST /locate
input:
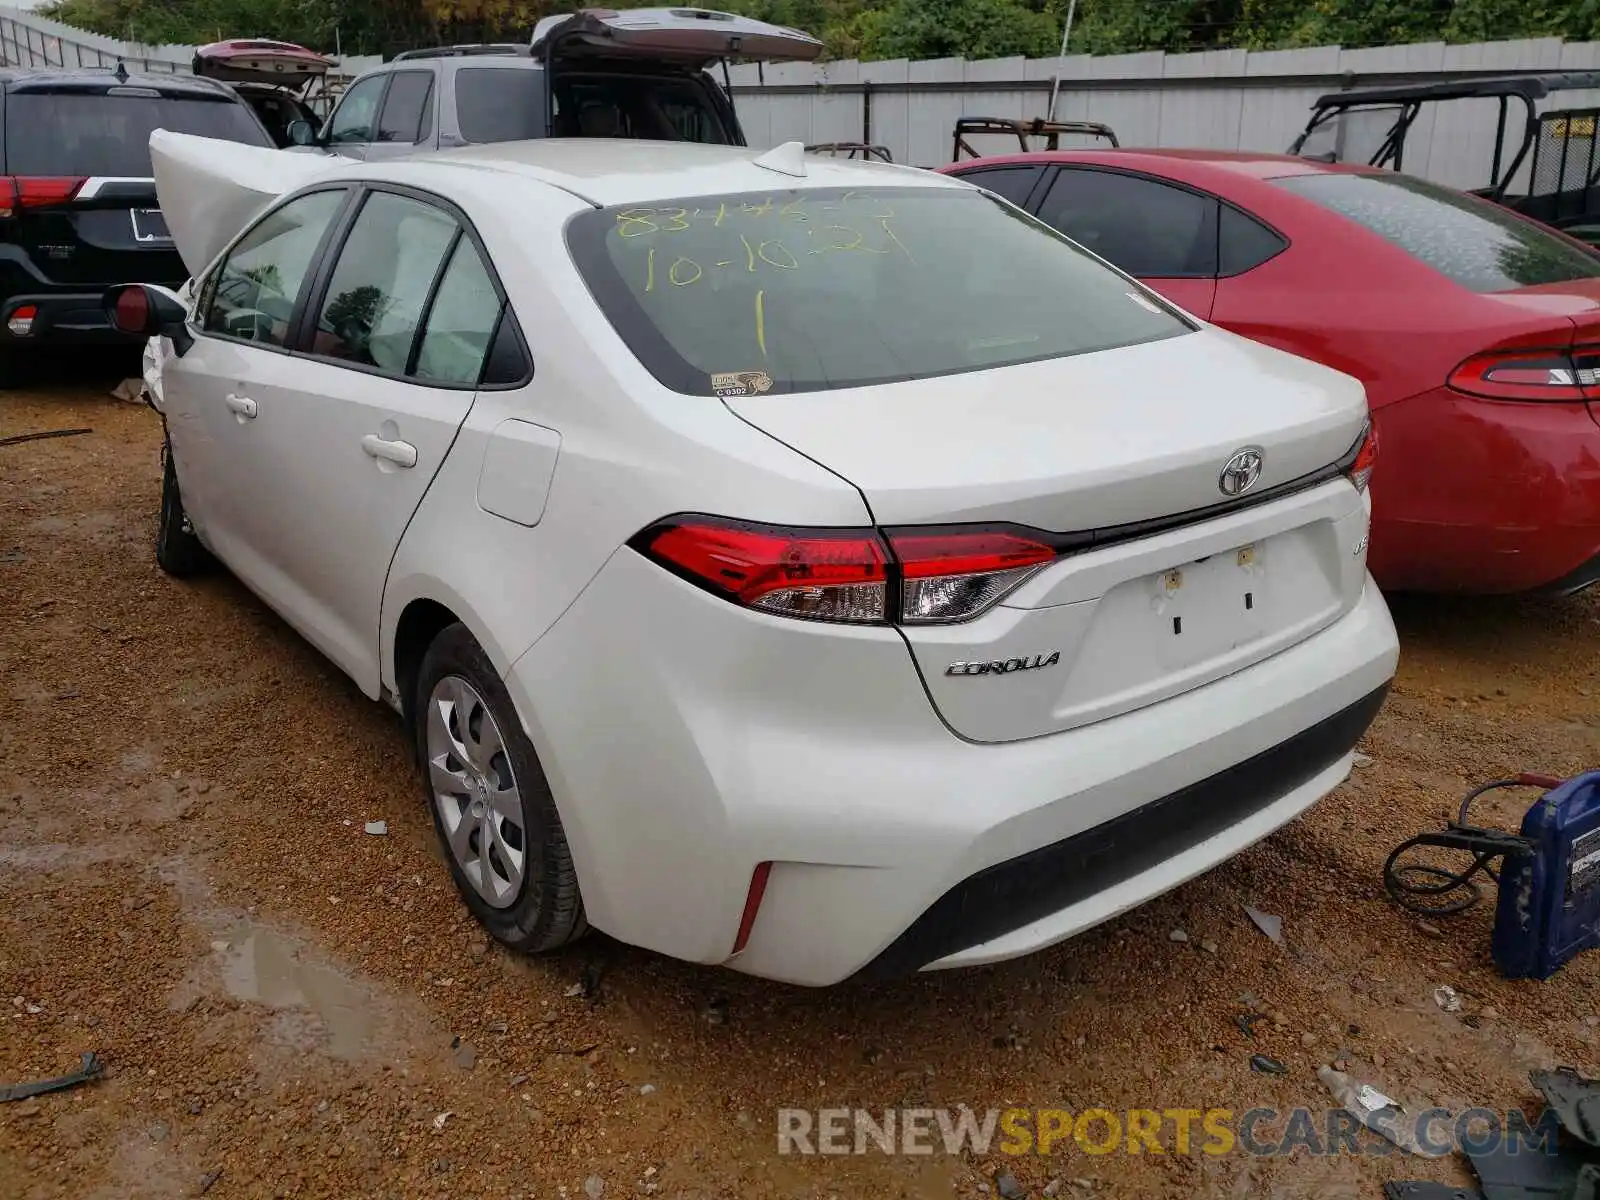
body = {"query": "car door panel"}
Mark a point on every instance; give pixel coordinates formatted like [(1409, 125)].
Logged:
[(242, 317)]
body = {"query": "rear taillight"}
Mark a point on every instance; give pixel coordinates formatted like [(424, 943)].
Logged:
[(18, 192), (1359, 465), (20, 322), (957, 574), (1530, 374), (860, 576)]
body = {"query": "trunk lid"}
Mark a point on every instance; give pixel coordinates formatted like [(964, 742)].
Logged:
[(1185, 586), (688, 37)]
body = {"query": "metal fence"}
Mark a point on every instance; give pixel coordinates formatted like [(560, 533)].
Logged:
[(1225, 99)]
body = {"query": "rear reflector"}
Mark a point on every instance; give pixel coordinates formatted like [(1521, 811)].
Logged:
[(20, 322), (752, 905), (18, 192), (857, 576), (1530, 374)]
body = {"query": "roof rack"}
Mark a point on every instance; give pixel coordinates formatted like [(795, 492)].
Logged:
[(1534, 87), (462, 51), (1022, 130)]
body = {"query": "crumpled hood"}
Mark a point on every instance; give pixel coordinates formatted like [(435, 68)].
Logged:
[(209, 189)]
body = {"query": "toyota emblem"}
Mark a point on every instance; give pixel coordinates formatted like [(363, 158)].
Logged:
[(1241, 472)]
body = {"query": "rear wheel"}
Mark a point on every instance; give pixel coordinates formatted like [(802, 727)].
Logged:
[(490, 802), (178, 551)]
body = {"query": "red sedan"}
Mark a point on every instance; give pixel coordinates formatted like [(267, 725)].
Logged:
[(1476, 332)]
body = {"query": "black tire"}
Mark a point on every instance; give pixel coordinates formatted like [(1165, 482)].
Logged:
[(546, 911), (178, 551)]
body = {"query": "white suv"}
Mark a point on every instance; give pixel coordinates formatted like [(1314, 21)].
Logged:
[(813, 566)]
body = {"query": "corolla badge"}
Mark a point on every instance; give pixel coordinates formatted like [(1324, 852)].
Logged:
[(1005, 666), (1241, 472)]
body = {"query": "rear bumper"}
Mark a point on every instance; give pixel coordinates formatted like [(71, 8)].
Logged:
[(61, 318), (705, 740), (1485, 496)]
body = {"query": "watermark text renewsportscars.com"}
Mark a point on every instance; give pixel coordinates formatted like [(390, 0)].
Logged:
[(1214, 1132)]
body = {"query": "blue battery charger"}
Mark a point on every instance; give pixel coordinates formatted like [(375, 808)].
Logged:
[(1549, 905)]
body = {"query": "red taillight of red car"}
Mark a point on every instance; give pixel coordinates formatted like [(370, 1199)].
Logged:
[(1530, 374), (858, 576), (18, 192), (1359, 472)]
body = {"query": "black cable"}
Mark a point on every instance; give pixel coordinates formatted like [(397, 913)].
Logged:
[(34, 437), (1413, 886)]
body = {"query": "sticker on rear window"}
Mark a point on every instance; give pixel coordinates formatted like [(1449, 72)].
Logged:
[(740, 383)]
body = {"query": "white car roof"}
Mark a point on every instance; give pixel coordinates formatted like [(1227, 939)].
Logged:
[(617, 171)]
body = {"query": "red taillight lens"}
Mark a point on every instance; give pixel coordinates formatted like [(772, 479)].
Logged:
[(954, 575), (851, 575), (821, 574), (36, 191), (1366, 457), (1564, 374), (131, 313)]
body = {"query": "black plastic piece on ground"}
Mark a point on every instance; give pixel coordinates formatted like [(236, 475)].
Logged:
[(1574, 1099), (39, 437), (1520, 1172), (89, 1069), (1009, 895), (1420, 1189)]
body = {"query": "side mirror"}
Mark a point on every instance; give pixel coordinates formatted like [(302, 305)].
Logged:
[(144, 311), (301, 133)]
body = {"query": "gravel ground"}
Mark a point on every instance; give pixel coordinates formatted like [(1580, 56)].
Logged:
[(290, 1006)]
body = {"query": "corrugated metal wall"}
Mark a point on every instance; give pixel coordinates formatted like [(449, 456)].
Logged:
[(1227, 99)]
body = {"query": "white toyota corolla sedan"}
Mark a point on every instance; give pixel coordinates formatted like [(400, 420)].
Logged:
[(810, 566)]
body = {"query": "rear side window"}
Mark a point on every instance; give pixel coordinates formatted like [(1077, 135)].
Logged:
[(806, 290), (108, 134), (407, 107), (1014, 183), (253, 292), (1479, 245), (1244, 243), (461, 320), (386, 269), (499, 104), (1144, 227)]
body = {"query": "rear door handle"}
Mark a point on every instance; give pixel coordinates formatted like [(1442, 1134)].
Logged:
[(401, 454), (242, 405)]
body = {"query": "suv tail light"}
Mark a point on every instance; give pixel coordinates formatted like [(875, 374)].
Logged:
[(1358, 466), (18, 192), (1570, 373), (858, 576)]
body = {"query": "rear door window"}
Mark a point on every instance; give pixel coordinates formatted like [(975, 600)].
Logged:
[(500, 104), (1244, 243), (1014, 183), (108, 133), (461, 320), (380, 284), (1479, 245), (407, 108), (1147, 228)]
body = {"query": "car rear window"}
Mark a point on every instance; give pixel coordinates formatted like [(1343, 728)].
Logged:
[(108, 134), (1476, 243), (804, 290), (500, 104)]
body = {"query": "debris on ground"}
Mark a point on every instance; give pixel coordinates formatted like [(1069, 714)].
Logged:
[(1247, 1023), (1446, 998), (131, 390), (1362, 760), (594, 1187), (209, 1180), (1178, 935), (1269, 924), (1574, 1099), (1007, 1187), (441, 1118), (17, 438), (716, 1011), (377, 828), (89, 1069), (1374, 1110), (1267, 1065)]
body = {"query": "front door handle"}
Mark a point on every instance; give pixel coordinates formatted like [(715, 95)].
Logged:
[(401, 454), (242, 405)]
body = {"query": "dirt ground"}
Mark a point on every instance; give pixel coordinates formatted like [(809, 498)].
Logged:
[(290, 1006)]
